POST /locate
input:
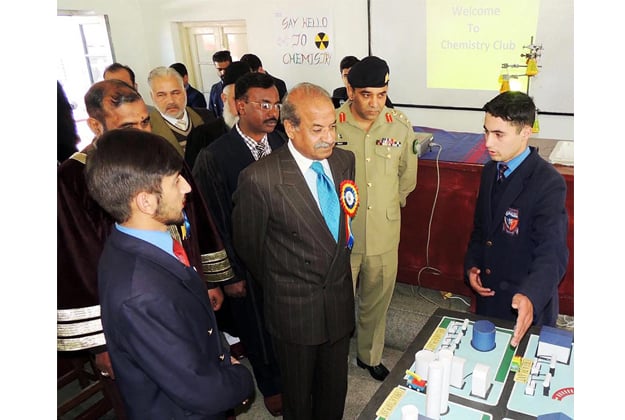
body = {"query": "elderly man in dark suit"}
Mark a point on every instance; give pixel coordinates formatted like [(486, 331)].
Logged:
[(517, 254), (294, 238), (158, 321)]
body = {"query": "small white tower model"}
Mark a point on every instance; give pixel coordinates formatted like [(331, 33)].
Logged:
[(423, 358), (480, 380), (456, 378), (409, 412), (445, 356), (433, 390)]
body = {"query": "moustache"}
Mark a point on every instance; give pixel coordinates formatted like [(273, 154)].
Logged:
[(324, 145), (270, 120)]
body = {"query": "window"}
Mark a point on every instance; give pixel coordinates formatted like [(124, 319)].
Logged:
[(85, 53), (201, 40)]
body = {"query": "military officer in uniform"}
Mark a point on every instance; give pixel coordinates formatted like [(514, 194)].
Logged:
[(386, 172)]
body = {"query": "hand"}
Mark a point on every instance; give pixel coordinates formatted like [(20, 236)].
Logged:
[(103, 363), (476, 283), (234, 361), (236, 290), (216, 298), (524, 319)]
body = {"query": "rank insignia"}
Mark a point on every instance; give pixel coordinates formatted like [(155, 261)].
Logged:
[(511, 222), (342, 117), (389, 117)]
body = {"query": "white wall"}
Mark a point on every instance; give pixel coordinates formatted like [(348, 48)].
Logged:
[(143, 38), (551, 127)]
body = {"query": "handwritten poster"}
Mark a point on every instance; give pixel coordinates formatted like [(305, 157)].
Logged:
[(304, 39)]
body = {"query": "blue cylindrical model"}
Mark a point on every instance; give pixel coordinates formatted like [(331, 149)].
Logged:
[(483, 335)]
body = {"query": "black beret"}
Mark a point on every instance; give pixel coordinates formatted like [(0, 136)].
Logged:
[(235, 70), (369, 72)]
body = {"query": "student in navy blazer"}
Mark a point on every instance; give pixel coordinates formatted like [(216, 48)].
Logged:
[(158, 322), (517, 253)]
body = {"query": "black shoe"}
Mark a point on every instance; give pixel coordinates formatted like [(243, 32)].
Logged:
[(379, 372), (274, 404)]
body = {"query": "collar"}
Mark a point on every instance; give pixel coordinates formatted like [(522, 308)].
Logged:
[(515, 162), (176, 121), (160, 239), (303, 163), (351, 119), (251, 143)]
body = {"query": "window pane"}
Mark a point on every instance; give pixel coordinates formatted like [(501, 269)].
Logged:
[(237, 42), (206, 46)]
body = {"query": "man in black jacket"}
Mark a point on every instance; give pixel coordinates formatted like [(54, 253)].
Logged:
[(216, 172), (257, 66)]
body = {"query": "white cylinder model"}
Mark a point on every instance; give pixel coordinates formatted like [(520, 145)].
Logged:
[(409, 412), (422, 359), (445, 356), (433, 390)]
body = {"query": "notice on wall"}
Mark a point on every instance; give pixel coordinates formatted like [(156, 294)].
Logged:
[(304, 39), (467, 42)]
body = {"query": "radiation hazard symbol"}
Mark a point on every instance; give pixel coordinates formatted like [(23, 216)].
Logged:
[(322, 41)]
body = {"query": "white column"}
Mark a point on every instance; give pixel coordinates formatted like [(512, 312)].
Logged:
[(433, 390)]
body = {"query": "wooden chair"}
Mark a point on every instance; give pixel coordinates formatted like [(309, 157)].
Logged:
[(83, 393), (79, 388)]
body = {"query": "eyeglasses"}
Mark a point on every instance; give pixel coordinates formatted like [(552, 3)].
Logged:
[(266, 106)]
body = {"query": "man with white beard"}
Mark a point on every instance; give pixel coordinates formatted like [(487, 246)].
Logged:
[(216, 171), (205, 134)]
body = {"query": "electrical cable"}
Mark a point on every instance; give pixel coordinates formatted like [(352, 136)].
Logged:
[(433, 270)]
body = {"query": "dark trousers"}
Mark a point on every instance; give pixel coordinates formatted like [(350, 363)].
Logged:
[(247, 317), (314, 379)]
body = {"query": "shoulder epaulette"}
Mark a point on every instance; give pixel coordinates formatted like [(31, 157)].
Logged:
[(80, 157), (395, 115)]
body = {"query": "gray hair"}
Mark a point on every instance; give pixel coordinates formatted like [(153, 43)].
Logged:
[(288, 111), (163, 71)]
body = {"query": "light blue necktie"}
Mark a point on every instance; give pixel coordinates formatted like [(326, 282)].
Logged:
[(328, 200)]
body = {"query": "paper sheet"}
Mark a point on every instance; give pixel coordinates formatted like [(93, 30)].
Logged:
[(562, 153)]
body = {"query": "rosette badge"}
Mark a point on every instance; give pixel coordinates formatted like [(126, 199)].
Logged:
[(349, 203)]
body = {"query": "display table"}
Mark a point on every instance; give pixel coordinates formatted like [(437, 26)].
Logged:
[(431, 254), (505, 398)]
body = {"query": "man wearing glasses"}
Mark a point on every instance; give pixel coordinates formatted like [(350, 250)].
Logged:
[(216, 172)]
